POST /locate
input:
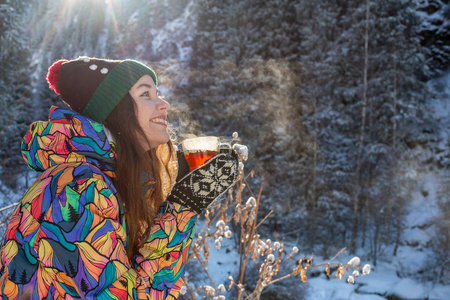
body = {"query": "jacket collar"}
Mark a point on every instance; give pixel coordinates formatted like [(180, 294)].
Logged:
[(67, 137)]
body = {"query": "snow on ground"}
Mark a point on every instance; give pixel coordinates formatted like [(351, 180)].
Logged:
[(394, 275), (224, 262), (407, 288), (439, 292), (334, 289), (221, 263)]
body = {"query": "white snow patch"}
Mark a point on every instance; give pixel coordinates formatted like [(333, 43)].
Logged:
[(222, 263), (409, 289), (410, 261), (321, 288), (382, 279), (423, 209), (416, 237), (365, 297), (439, 292)]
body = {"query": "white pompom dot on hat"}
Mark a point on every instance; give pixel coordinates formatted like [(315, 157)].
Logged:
[(84, 58)]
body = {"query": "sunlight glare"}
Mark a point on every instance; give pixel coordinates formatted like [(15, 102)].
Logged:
[(110, 9)]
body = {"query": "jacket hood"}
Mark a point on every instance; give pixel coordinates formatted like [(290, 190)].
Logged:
[(67, 137)]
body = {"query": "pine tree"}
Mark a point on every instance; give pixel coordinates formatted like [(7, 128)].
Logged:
[(70, 271), (237, 30), (319, 50), (333, 55), (434, 29), (14, 87), (23, 277), (73, 214), (13, 276), (84, 286)]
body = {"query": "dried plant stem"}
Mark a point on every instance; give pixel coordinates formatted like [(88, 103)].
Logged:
[(247, 249), (323, 265), (241, 243), (265, 218), (9, 206), (309, 268), (281, 278), (250, 189), (337, 254), (245, 216), (312, 267), (214, 219), (191, 294), (206, 271)]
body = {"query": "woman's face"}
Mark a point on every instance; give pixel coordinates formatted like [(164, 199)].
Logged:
[(151, 112)]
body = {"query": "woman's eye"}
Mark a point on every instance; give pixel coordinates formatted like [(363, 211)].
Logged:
[(146, 94)]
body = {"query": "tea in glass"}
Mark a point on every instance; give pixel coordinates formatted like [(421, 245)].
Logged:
[(198, 150)]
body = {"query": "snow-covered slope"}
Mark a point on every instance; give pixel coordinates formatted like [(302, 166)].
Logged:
[(410, 274)]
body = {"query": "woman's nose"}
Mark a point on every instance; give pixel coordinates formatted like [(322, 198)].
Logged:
[(163, 104)]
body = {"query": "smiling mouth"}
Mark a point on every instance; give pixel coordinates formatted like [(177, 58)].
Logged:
[(159, 121)]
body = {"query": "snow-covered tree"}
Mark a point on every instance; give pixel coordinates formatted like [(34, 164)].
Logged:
[(236, 30), (435, 32), (333, 55), (14, 87)]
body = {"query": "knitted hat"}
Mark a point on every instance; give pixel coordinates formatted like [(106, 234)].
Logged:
[(94, 86)]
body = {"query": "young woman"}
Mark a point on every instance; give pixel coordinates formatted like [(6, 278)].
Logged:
[(108, 217)]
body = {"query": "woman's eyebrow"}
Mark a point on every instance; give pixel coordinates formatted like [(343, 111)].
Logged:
[(145, 85)]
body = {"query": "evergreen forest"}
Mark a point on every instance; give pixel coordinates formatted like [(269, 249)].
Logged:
[(344, 106)]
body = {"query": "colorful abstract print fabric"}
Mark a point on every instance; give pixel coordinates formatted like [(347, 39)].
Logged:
[(67, 239)]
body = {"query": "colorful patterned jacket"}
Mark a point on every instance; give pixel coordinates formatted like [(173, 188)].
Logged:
[(67, 238)]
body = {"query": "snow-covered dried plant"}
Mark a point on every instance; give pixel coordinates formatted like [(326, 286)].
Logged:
[(366, 269), (354, 262), (350, 279), (241, 214)]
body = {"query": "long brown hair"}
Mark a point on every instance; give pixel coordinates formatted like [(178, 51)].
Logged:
[(135, 166)]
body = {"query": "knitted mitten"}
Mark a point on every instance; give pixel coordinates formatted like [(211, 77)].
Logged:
[(203, 185)]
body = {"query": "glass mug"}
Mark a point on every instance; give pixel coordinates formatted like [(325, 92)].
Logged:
[(199, 149)]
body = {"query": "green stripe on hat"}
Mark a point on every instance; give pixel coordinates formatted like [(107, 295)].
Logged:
[(114, 87)]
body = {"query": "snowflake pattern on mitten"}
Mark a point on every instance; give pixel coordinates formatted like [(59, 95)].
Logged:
[(203, 185)]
